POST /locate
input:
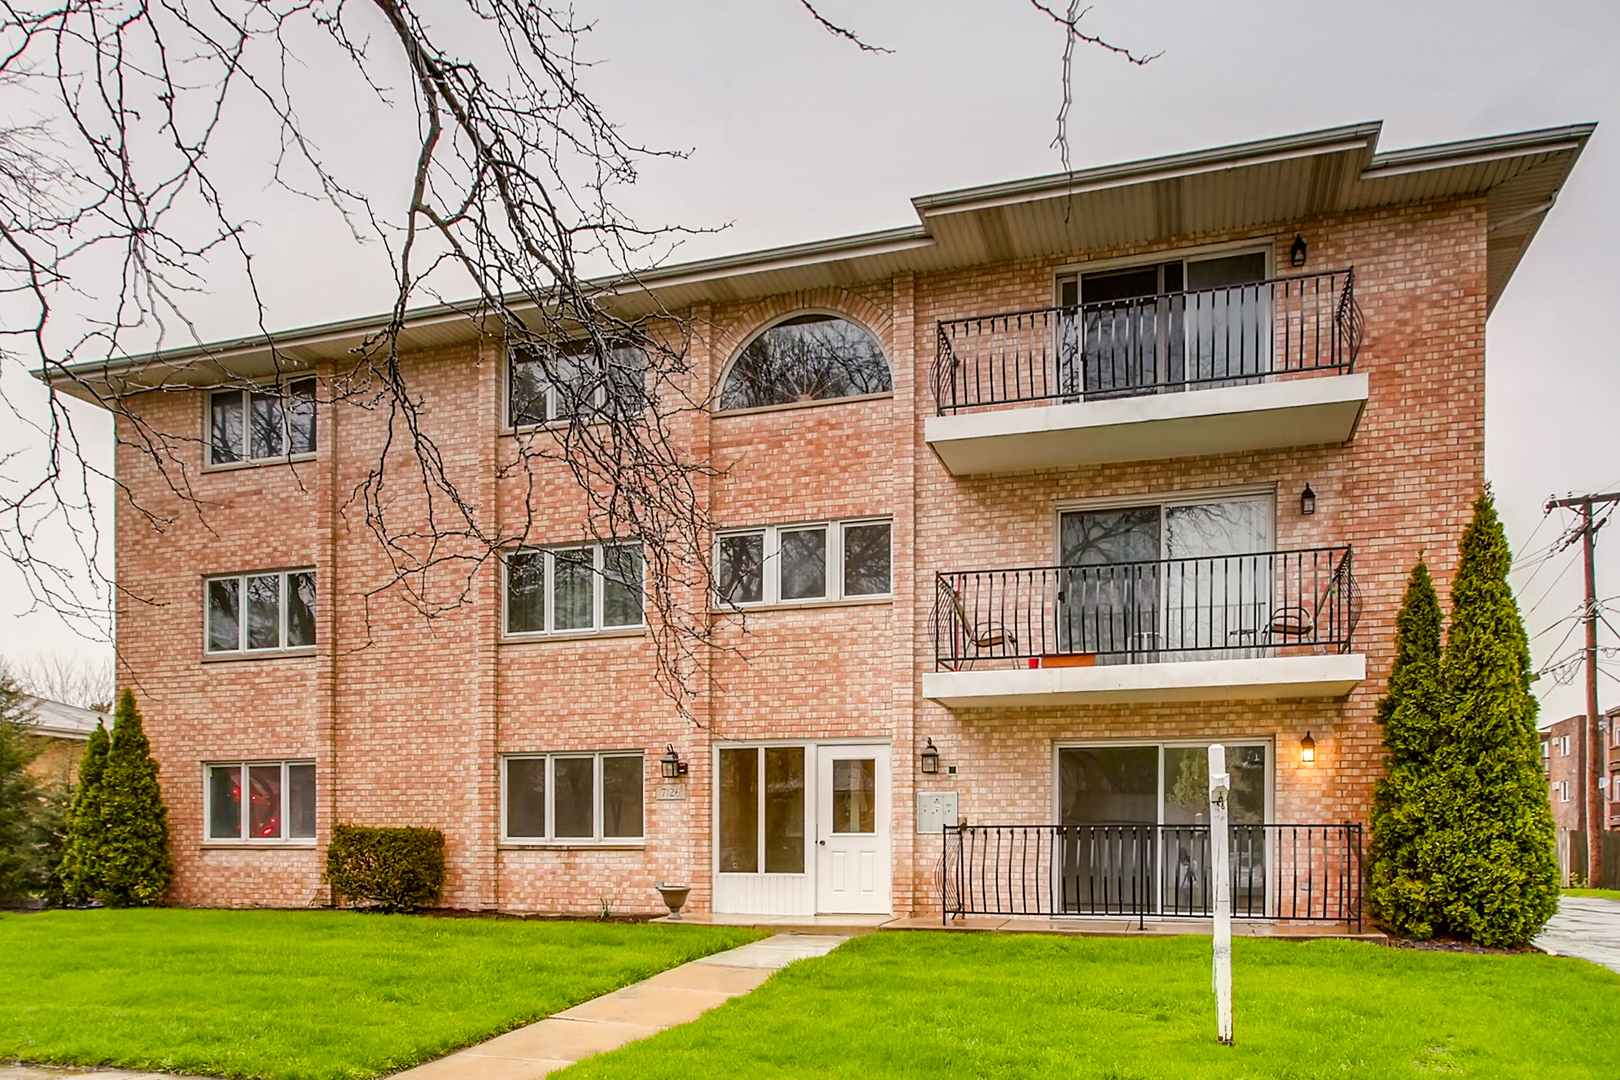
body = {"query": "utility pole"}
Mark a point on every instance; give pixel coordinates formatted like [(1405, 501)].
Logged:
[(1590, 762)]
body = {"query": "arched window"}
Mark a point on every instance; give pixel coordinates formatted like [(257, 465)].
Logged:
[(806, 358)]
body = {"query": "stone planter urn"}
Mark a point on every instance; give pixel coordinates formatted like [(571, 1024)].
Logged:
[(674, 897)]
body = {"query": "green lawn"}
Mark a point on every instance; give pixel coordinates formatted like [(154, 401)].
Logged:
[(1601, 894), (945, 1005), (303, 995)]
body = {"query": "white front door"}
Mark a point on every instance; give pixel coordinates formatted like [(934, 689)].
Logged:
[(852, 829)]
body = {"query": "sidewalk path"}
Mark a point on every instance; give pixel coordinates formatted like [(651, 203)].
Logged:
[(645, 1008), (1587, 927), (673, 997)]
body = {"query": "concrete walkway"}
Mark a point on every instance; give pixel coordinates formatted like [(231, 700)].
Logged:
[(672, 997), (645, 1008), (1587, 927)]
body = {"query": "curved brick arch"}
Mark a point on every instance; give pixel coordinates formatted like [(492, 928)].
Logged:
[(729, 339)]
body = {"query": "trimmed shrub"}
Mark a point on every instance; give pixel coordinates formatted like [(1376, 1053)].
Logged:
[(84, 823), (1496, 865), (1412, 714), (395, 869), (132, 867)]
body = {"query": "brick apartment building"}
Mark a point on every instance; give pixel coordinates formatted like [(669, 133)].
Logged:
[(1003, 570), (1561, 755)]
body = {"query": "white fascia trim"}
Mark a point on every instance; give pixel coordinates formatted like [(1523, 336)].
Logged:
[(1331, 675), (1148, 408)]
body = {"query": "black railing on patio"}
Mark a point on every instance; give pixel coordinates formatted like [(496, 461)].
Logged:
[(1307, 873), (1186, 340), (1258, 604)]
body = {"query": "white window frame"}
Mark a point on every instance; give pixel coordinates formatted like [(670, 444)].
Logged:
[(771, 563), (243, 836), (597, 839), (598, 592), (242, 617), (246, 394), (1563, 745), (599, 399), (1563, 791), (763, 329)]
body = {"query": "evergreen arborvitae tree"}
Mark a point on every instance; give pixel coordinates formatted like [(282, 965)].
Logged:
[(134, 866), (19, 795), (85, 828), (1412, 715), (1496, 867)]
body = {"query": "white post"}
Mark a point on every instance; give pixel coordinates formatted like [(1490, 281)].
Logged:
[(1219, 784)]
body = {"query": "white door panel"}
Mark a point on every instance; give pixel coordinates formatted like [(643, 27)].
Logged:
[(852, 830)]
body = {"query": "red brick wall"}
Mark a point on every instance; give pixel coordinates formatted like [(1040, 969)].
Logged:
[(407, 718)]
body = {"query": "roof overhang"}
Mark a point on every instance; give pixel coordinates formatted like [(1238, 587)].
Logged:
[(1272, 181)]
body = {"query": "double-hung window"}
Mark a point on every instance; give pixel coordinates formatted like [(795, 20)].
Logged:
[(551, 385), (260, 801), (572, 798), (262, 425), (580, 589), (789, 564), (260, 613)]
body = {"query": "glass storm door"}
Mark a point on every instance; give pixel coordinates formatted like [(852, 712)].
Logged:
[(852, 826)]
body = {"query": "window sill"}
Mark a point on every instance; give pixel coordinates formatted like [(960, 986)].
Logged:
[(802, 605), (258, 845), (510, 432), (802, 405), (575, 635), (262, 463), (267, 654), (571, 845)]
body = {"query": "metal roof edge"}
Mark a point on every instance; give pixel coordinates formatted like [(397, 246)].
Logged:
[(1144, 170)]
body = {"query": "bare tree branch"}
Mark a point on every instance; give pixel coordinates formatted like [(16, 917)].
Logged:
[(1070, 22), (838, 31)]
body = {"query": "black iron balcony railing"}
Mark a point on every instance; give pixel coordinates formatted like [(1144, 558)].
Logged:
[(1137, 870), (1230, 336), (1260, 604)]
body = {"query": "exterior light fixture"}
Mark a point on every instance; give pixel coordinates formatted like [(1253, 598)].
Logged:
[(1307, 501), (930, 758), (1307, 749), (671, 763), (1296, 253)]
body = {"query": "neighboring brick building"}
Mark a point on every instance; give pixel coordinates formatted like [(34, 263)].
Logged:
[(1561, 750), (60, 732), (1066, 549)]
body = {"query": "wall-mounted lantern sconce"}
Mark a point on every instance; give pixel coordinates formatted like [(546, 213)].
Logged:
[(1296, 253), (1307, 501), (671, 763), (930, 759), (1307, 749)]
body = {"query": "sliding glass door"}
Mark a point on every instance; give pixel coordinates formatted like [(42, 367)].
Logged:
[(1136, 829), (1164, 327), (1165, 581)]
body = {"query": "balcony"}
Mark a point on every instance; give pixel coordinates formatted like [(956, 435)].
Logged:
[(1277, 624), (1247, 367)]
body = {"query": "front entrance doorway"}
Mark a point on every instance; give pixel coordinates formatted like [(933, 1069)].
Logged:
[(852, 843), (802, 828)]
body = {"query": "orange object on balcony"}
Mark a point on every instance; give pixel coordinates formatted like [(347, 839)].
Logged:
[(1079, 659)]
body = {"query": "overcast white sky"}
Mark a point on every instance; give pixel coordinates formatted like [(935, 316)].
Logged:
[(797, 136)]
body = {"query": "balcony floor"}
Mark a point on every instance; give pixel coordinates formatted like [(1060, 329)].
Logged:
[(1235, 419), (1264, 678)]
